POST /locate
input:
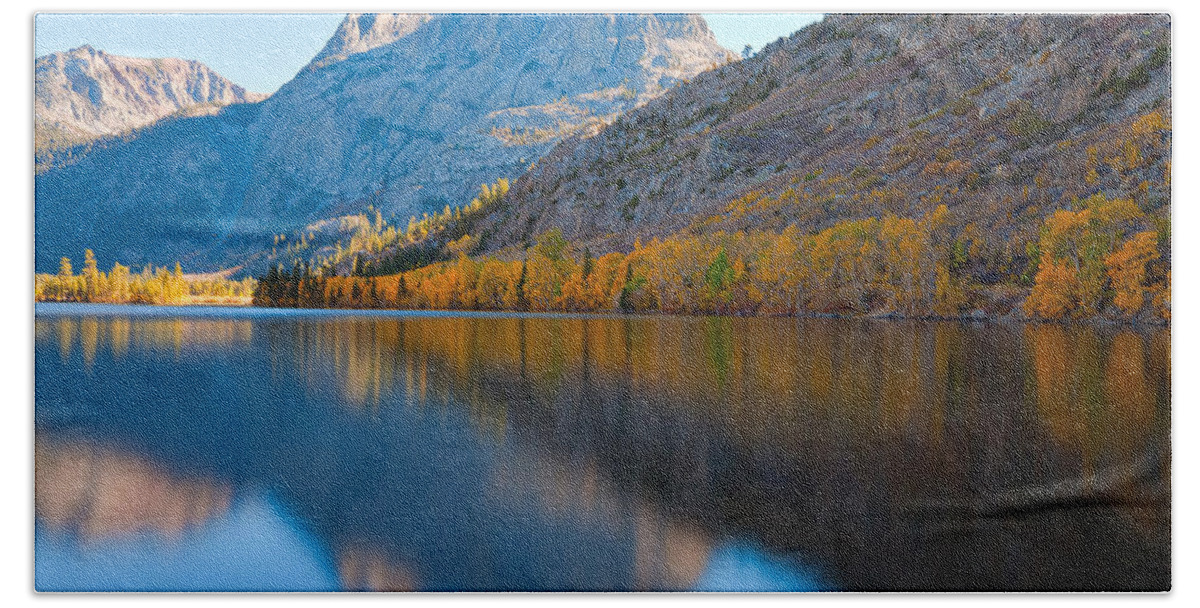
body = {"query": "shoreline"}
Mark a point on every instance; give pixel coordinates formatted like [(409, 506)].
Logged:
[(892, 317)]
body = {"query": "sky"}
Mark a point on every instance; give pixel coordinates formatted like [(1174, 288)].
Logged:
[(262, 51), (257, 51), (735, 30)]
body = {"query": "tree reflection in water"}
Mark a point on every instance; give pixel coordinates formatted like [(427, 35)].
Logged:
[(498, 452)]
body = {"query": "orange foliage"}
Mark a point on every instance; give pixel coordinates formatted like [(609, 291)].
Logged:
[(1074, 247), (888, 264), (1056, 290), (1127, 270)]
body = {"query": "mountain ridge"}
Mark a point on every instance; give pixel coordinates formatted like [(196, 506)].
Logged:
[(86, 94), (362, 32), (408, 127)]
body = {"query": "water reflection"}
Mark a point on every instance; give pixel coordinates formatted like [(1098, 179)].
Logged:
[(111, 520), (97, 492), (362, 567), (444, 452)]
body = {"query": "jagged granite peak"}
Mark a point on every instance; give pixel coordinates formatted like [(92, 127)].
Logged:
[(86, 93), (361, 32), (420, 122), (409, 126)]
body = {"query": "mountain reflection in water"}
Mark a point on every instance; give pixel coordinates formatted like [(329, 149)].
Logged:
[(123, 526), (306, 450)]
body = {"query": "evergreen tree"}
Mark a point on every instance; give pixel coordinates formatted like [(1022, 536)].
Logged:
[(522, 302), (588, 263), (375, 301)]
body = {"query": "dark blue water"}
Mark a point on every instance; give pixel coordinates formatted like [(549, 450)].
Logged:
[(244, 449)]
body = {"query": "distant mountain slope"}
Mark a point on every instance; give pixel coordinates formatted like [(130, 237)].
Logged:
[(1003, 118), (405, 113), (84, 94)]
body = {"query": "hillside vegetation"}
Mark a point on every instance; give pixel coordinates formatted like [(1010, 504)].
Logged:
[(920, 165)]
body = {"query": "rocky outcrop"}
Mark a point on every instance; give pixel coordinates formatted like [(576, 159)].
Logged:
[(360, 33), (1003, 118), (406, 113)]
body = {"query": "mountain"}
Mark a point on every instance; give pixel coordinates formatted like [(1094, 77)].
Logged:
[(1002, 118), (405, 113), (85, 94), (361, 33)]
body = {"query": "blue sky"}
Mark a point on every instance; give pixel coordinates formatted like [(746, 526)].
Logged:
[(263, 51), (735, 30), (257, 51)]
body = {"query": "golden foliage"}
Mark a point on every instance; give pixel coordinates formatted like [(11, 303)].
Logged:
[(119, 286), (890, 264), (1149, 124), (1127, 269), (1056, 292), (1078, 262)]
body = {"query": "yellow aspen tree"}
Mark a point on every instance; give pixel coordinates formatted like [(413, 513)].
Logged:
[(1126, 268)]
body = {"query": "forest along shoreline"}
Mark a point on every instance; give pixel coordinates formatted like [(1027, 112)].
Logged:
[(1084, 267), (889, 268), (151, 286)]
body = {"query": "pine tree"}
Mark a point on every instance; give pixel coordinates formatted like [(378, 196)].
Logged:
[(522, 302), (588, 263)]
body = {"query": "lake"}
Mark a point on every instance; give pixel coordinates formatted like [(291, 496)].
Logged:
[(260, 449)]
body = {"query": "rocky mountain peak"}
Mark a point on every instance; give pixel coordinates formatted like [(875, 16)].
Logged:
[(85, 93), (361, 32)]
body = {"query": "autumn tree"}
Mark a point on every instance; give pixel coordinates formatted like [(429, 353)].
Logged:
[(548, 266), (1074, 246), (1126, 268)]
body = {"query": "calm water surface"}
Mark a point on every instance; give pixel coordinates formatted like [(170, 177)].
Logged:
[(246, 449)]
